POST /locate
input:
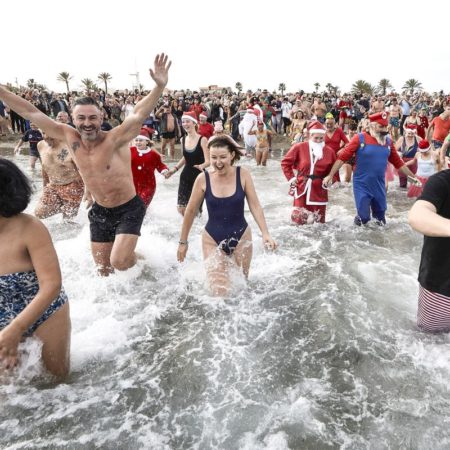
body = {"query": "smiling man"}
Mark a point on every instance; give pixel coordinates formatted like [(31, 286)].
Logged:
[(373, 151), (103, 159)]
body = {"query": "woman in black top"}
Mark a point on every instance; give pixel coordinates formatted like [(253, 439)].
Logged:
[(195, 159), (430, 215)]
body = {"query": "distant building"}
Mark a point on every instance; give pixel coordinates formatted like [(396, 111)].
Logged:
[(215, 89)]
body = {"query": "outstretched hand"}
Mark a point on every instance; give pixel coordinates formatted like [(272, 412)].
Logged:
[(160, 72)]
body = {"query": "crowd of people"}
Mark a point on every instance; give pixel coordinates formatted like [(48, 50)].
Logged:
[(100, 149)]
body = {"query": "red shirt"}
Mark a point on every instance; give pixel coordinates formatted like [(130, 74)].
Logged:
[(441, 128), (143, 168), (352, 147), (335, 140), (197, 109), (205, 129)]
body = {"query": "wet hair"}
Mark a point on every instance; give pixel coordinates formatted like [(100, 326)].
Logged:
[(225, 141), (15, 189), (84, 101)]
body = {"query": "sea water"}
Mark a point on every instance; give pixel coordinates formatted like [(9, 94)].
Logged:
[(319, 350)]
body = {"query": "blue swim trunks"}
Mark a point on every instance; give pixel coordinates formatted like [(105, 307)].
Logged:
[(17, 290), (394, 121)]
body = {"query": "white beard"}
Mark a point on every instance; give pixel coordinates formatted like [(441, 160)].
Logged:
[(380, 139), (317, 149)]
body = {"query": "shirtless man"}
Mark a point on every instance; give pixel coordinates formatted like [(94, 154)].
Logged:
[(64, 117), (103, 159), (395, 116), (63, 186), (319, 109), (377, 105)]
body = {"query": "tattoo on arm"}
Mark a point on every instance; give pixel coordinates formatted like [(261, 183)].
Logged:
[(62, 155), (75, 146)]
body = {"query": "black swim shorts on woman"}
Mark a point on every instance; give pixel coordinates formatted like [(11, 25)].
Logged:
[(106, 223)]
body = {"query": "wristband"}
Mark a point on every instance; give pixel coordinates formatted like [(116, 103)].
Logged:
[(176, 168), (183, 242)]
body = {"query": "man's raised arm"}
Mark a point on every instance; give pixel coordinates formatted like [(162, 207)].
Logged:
[(132, 124), (27, 110)]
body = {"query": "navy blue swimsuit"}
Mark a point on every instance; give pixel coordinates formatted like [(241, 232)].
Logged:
[(17, 290), (226, 221)]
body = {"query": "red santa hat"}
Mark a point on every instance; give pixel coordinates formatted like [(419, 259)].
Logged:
[(382, 118), (143, 134), (189, 115), (411, 126), (424, 146), (316, 127), (203, 114)]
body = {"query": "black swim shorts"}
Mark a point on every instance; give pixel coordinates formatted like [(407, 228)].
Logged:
[(106, 223), (168, 135)]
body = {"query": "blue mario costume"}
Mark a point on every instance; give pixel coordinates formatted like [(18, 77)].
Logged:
[(369, 173)]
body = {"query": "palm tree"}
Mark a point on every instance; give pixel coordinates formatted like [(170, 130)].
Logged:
[(362, 87), (317, 86), (412, 85), (282, 88), (30, 83), (384, 85), (238, 86), (105, 77), (329, 87), (65, 77), (88, 84)]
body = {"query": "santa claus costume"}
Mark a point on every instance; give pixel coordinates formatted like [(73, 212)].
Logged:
[(144, 162), (312, 161)]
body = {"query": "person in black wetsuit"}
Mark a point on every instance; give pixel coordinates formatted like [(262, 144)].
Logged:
[(195, 159), (227, 239)]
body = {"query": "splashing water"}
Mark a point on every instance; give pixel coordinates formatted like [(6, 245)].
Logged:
[(319, 350)]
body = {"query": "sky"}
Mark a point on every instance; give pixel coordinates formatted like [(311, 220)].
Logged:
[(258, 43)]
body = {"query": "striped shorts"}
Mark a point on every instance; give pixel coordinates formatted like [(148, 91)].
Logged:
[(433, 314)]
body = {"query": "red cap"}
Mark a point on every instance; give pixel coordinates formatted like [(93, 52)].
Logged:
[(203, 114), (316, 127), (424, 146), (381, 118)]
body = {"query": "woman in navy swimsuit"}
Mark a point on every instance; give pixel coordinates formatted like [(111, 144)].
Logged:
[(227, 237)]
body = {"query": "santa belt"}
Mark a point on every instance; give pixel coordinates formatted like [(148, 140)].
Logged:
[(313, 177)]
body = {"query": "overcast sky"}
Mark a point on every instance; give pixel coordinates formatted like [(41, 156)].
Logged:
[(257, 42)]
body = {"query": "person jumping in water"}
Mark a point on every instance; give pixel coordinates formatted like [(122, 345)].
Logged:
[(103, 159)]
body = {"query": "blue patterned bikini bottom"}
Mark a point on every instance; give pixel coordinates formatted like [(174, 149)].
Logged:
[(17, 290)]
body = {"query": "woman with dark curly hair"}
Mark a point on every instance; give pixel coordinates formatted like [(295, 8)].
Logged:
[(32, 300)]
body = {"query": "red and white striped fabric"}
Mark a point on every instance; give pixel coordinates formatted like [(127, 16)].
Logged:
[(433, 314)]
